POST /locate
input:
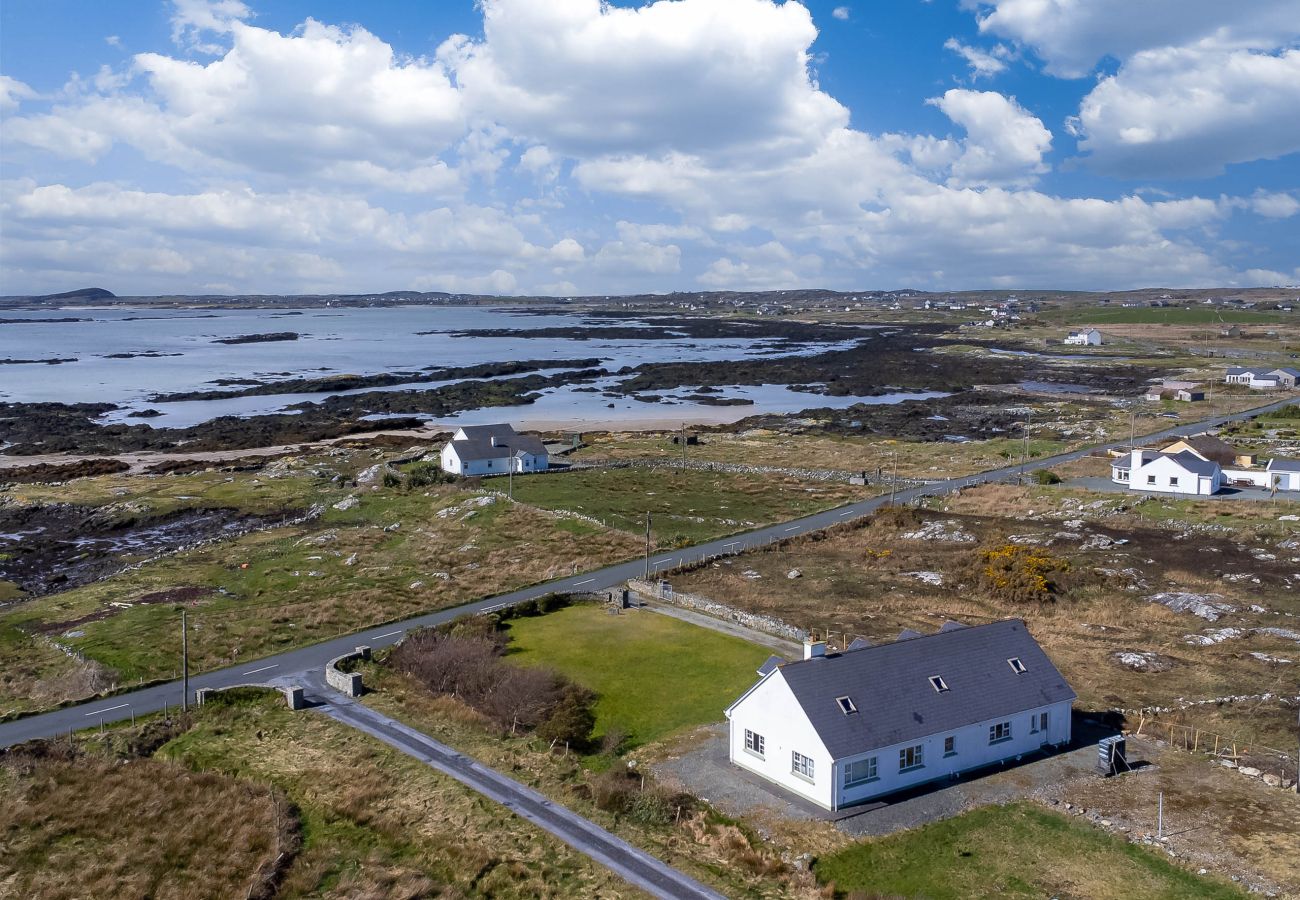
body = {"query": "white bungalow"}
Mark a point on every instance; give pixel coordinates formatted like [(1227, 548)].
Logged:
[(1262, 379), (1088, 338), (840, 729), (493, 450), (1167, 473)]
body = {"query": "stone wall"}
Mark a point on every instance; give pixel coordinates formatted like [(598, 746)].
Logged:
[(346, 682), (765, 624)]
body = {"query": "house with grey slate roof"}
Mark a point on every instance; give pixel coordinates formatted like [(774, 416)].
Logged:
[(493, 450), (839, 729)]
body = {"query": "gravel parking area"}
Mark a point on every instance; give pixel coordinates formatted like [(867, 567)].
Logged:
[(706, 771)]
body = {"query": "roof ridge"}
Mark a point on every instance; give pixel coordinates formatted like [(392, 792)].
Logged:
[(919, 637)]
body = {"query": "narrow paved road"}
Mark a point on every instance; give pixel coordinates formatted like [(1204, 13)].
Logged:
[(637, 867), (285, 666)]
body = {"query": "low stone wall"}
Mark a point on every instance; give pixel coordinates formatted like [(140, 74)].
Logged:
[(346, 682), (765, 624), (293, 694), (732, 468)]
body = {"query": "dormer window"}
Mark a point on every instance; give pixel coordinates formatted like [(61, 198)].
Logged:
[(937, 682), (1016, 665), (846, 705)]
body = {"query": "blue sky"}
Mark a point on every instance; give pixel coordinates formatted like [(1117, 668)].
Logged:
[(562, 146)]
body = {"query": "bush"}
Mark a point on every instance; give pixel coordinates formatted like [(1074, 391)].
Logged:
[(1020, 574), (464, 661), (427, 472), (1047, 476)]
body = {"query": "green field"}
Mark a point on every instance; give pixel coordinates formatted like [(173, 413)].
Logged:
[(1172, 315), (686, 506), (1018, 850), (655, 675)]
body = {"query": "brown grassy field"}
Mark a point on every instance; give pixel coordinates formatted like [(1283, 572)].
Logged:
[(866, 581), (93, 827)]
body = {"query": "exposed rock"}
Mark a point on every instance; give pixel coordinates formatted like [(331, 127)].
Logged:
[(1207, 606), (932, 578), (1286, 633), (1142, 660), (346, 503), (1213, 636), (794, 573), (947, 531), (1271, 660)]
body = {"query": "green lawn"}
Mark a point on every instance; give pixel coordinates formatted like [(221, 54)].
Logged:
[(686, 506), (1019, 850), (655, 675)]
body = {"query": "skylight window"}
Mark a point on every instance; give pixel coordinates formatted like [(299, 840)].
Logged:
[(846, 705), (1016, 665), (937, 682)]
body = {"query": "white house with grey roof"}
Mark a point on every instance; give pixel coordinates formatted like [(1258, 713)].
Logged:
[(843, 728), (1185, 472), (493, 450)]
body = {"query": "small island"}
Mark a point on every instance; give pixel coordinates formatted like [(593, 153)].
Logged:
[(259, 338)]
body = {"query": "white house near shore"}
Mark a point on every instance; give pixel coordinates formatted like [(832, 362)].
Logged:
[(1090, 337), (493, 450), (843, 728)]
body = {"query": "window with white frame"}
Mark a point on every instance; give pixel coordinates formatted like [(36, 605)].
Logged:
[(937, 682), (801, 765), (950, 746), (999, 732), (846, 705), (1151, 479), (1121, 474), (911, 758), (1173, 481), (1016, 665), (754, 743), (860, 771)]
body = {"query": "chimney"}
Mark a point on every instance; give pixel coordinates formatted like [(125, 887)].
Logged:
[(493, 439), (814, 649)]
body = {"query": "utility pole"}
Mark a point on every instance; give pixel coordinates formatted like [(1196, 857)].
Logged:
[(647, 545), (1132, 428), (893, 480), (1160, 817), (185, 663), (510, 482), (1024, 452), (683, 446)]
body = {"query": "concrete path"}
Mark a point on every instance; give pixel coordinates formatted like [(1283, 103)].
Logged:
[(124, 705), (637, 867)]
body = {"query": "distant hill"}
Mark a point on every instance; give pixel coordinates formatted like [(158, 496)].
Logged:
[(92, 293)]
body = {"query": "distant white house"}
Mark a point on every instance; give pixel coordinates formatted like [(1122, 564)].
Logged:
[(1089, 338), (1284, 474), (1262, 379), (843, 728), (493, 450), (1167, 473)]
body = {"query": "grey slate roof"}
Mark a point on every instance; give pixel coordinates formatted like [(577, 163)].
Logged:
[(478, 443), (890, 685), (1278, 464), (858, 644), (771, 663), (1194, 464), (950, 625), (1211, 447)]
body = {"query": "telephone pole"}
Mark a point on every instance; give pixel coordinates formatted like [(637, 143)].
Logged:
[(1024, 452), (893, 479), (185, 664), (647, 545)]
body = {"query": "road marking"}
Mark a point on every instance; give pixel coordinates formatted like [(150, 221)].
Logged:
[(390, 633), (847, 512), (793, 528), (581, 583), (495, 608), (100, 712), (263, 669)]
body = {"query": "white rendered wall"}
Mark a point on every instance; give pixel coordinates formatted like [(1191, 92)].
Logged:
[(772, 711)]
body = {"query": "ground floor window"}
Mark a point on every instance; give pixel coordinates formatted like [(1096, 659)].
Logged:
[(801, 765), (950, 746), (754, 743), (1121, 474), (999, 732), (859, 771), (911, 758)]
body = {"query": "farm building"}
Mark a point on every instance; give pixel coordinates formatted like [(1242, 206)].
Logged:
[(493, 450), (1090, 337), (839, 729)]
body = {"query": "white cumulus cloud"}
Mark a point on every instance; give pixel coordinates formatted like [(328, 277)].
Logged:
[(1004, 142)]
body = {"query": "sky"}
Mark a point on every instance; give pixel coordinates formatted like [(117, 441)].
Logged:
[(568, 147)]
